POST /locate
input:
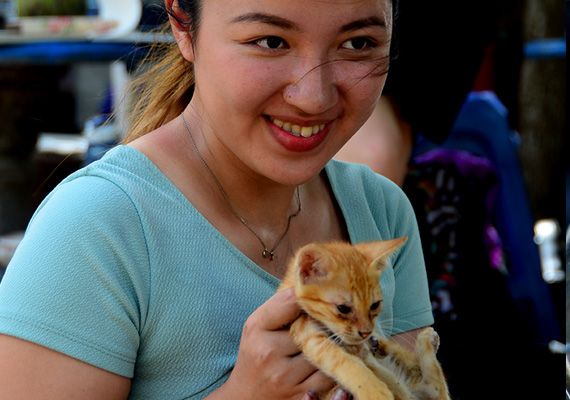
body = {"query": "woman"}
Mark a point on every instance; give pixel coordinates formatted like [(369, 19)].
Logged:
[(144, 273)]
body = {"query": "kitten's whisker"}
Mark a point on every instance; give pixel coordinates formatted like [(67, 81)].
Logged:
[(402, 322), (336, 339), (405, 325)]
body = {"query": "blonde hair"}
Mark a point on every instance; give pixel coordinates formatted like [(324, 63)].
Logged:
[(161, 91)]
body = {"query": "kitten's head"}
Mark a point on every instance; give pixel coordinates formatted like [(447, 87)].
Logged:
[(338, 285)]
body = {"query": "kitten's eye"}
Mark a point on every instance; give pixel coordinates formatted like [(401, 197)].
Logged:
[(375, 306), (344, 309)]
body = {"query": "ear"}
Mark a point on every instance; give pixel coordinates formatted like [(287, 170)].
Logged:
[(380, 251), (313, 264), (179, 29)]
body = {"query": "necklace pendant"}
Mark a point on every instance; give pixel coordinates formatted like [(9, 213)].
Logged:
[(268, 254)]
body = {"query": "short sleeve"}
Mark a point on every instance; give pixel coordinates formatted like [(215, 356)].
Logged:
[(412, 306), (375, 208), (78, 282)]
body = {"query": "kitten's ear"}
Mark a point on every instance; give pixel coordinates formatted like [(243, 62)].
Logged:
[(380, 251), (313, 264)]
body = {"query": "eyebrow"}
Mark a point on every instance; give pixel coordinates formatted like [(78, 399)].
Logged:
[(266, 19), (279, 22), (364, 23)]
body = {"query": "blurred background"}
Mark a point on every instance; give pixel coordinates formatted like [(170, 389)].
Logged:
[(486, 182)]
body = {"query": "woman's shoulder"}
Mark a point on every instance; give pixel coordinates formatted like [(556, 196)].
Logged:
[(370, 202), (123, 172), (121, 165), (112, 189)]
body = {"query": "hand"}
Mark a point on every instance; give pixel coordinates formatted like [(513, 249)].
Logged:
[(269, 364)]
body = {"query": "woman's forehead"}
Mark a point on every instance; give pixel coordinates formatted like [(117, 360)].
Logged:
[(328, 11)]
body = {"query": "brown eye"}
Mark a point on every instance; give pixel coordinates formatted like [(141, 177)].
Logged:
[(271, 43), (375, 306), (343, 309)]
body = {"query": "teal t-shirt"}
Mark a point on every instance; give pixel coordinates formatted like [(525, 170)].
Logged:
[(119, 270)]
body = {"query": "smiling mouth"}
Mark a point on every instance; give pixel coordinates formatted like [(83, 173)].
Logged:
[(298, 130)]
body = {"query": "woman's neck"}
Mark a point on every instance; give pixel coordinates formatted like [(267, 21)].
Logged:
[(249, 195), (265, 205)]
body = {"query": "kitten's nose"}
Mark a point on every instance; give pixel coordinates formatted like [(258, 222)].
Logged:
[(364, 335)]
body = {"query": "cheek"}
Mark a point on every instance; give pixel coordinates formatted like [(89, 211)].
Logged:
[(253, 83), (252, 79), (340, 325), (230, 84), (361, 69), (361, 83)]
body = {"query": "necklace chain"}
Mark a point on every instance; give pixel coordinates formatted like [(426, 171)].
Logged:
[(270, 254)]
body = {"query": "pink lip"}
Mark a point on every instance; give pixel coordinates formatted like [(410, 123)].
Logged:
[(297, 143)]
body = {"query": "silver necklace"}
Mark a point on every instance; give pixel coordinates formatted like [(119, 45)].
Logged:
[(270, 254)]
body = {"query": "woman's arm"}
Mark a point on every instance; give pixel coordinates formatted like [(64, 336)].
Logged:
[(30, 371), (407, 339)]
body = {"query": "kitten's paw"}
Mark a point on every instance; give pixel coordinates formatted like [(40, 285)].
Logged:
[(378, 347), (373, 344), (360, 351), (429, 339)]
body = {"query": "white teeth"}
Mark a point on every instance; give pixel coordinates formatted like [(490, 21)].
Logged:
[(298, 130)]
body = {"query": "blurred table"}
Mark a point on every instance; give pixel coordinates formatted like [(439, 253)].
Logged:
[(21, 50)]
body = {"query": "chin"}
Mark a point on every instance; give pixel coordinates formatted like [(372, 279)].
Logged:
[(296, 174), (353, 341)]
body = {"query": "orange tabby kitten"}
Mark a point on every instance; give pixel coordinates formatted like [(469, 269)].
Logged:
[(337, 286)]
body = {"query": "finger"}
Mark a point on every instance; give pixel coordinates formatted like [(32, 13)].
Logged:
[(279, 311), (283, 341), (276, 346), (310, 395), (318, 382), (300, 369)]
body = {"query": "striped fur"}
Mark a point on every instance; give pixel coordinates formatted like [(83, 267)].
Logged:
[(337, 286)]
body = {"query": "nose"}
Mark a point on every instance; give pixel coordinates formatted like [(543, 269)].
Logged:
[(364, 335), (314, 91)]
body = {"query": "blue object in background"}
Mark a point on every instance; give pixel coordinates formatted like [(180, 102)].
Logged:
[(545, 48), (482, 128), (54, 53)]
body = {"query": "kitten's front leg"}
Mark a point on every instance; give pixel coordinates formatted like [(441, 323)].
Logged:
[(399, 390), (347, 369), (387, 376), (388, 352), (421, 370), (434, 385)]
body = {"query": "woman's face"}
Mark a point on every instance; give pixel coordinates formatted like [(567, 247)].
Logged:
[(282, 85)]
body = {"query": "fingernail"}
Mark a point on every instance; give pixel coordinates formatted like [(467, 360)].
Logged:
[(311, 396), (340, 395)]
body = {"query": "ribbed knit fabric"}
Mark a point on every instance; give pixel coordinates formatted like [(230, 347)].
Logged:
[(119, 270)]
